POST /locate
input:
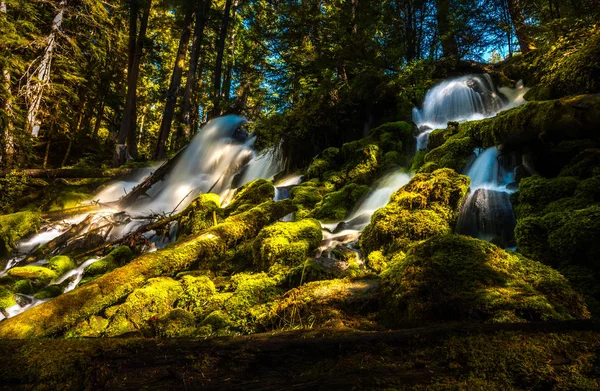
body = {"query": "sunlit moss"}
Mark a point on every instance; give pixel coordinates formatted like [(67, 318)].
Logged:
[(250, 195), (14, 227), (117, 257), (288, 243), (202, 213), (336, 205), (7, 298), (61, 264)]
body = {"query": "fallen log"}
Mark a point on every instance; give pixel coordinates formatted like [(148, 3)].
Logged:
[(69, 173), (53, 317)]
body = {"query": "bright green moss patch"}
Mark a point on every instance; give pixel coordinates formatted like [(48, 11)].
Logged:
[(7, 298), (336, 205), (119, 256), (250, 195), (288, 243), (176, 323), (39, 275), (156, 297), (457, 278), (423, 208), (197, 291), (202, 213), (14, 227), (454, 154), (61, 264)]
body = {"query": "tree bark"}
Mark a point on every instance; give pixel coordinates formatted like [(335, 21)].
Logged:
[(127, 131), (184, 131), (518, 21), (7, 153), (230, 57), (219, 62), (165, 127), (35, 88), (446, 33)]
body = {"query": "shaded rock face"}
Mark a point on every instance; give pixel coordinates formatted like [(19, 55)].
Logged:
[(487, 214)]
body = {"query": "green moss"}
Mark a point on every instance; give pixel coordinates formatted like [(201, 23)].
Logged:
[(157, 297), (37, 274), (456, 278), (119, 256), (7, 298), (454, 154), (288, 243), (49, 292), (61, 264), (439, 136), (202, 213), (14, 227), (585, 165), (250, 195), (23, 286), (176, 323), (306, 196), (424, 207), (336, 205), (326, 161), (536, 193), (418, 160), (197, 291)]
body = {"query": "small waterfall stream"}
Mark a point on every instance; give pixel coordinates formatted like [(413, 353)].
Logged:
[(487, 212), (465, 98)]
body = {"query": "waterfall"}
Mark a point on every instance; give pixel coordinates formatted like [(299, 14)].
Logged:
[(487, 212), (460, 99), (348, 231)]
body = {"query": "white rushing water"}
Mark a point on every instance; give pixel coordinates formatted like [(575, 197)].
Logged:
[(465, 98), (487, 211)]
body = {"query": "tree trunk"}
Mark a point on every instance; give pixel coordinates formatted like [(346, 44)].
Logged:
[(127, 131), (219, 62), (165, 127), (230, 57), (35, 88), (446, 33), (184, 131), (518, 21), (7, 153)]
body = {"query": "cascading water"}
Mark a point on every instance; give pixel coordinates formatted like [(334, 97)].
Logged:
[(348, 231), (217, 156), (465, 98), (487, 212)]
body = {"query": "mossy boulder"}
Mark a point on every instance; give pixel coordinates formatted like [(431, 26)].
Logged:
[(61, 264), (176, 323), (38, 275), (454, 154), (197, 292), (250, 195), (203, 212), (307, 195), (328, 160), (336, 205), (14, 227), (119, 256), (49, 292), (425, 207), (7, 298), (287, 243), (457, 278), (143, 306), (536, 193)]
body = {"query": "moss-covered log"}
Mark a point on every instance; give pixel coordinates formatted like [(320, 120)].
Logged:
[(55, 316), (70, 173)]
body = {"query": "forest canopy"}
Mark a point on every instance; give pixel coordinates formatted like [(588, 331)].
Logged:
[(88, 83)]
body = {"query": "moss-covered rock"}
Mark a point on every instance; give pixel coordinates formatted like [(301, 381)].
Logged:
[(454, 154), (119, 256), (176, 323), (457, 278), (49, 292), (38, 275), (327, 160), (202, 213), (14, 227), (197, 291), (336, 205), (61, 264), (287, 243), (154, 299), (536, 193), (423, 208), (7, 298), (250, 195)]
